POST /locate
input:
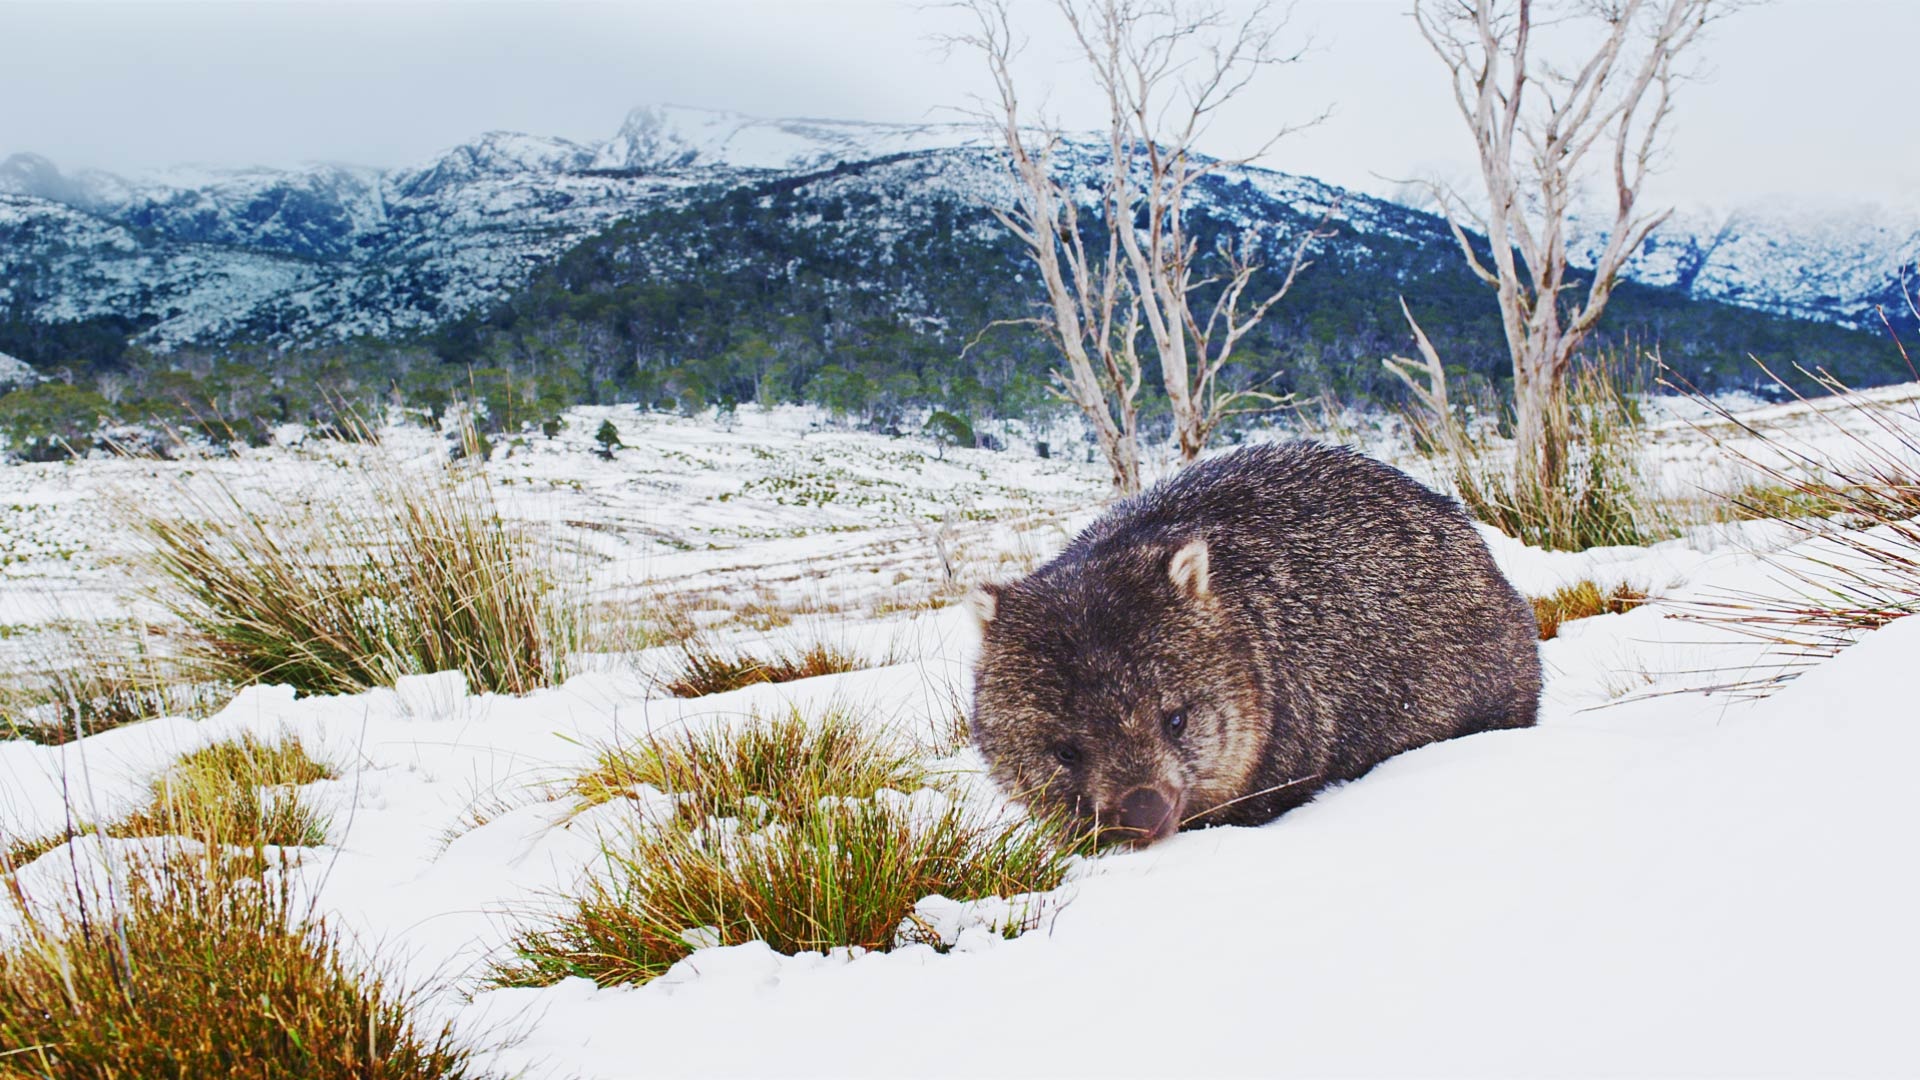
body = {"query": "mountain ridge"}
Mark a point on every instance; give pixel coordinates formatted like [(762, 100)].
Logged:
[(332, 252)]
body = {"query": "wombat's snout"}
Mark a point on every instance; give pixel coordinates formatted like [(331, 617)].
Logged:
[(1145, 815)]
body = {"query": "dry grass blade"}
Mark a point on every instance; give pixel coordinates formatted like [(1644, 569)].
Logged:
[(1857, 566)]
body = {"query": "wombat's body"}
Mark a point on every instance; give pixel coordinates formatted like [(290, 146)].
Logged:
[(1265, 623)]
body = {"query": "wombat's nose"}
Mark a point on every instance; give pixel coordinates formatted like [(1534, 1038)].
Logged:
[(1147, 815)]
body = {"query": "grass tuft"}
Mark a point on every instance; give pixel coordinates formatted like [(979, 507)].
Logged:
[(1855, 511), (1602, 499), (803, 841), (1582, 600), (393, 574), (89, 679), (705, 669), (202, 968), (235, 791), (768, 768)]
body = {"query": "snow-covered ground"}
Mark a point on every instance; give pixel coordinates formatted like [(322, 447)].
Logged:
[(1647, 882)]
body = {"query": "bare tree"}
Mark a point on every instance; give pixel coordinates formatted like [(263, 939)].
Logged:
[(1165, 67), (1539, 127)]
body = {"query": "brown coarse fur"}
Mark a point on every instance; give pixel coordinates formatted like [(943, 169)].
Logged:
[(1261, 625)]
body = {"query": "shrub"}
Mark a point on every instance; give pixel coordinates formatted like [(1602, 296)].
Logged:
[(947, 429), (202, 968), (1581, 600), (608, 437), (796, 840), (394, 574), (49, 421)]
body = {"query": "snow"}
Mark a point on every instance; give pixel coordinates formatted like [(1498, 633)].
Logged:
[(1652, 881), (16, 372)]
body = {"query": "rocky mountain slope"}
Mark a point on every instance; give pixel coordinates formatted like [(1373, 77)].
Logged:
[(334, 252)]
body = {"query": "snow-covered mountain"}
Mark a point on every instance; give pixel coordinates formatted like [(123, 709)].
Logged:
[(331, 251), (1834, 263), (337, 251)]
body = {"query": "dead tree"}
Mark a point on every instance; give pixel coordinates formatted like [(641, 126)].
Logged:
[(1539, 128), (1165, 68)]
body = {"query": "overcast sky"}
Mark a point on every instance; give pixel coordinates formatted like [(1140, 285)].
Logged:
[(1806, 98)]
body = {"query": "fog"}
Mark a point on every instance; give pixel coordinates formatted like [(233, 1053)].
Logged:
[(1810, 99)]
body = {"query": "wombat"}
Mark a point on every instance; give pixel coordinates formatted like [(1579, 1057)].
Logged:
[(1267, 622)]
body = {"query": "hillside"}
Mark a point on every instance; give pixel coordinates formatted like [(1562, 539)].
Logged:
[(701, 257)]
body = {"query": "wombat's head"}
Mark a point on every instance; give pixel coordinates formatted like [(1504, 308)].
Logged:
[(1118, 689)]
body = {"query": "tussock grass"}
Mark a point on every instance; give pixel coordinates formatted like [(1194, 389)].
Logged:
[(393, 573), (1603, 498), (91, 679), (201, 968), (18, 851), (1583, 599), (1849, 504), (1857, 567), (768, 769), (706, 669), (841, 874), (803, 840), (234, 791)]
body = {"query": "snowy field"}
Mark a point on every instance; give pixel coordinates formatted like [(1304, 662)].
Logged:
[(1652, 881)]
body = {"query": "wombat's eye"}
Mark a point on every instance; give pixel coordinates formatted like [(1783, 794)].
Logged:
[(1067, 754), (1175, 724)]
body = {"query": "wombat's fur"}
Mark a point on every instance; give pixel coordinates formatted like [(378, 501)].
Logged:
[(1265, 623)]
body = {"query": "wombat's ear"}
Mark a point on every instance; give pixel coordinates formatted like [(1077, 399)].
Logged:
[(1188, 569), (984, 602)]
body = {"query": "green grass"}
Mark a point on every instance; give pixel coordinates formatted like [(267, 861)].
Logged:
[(391, 573), (201, 968), (806, 842), (768, 768)]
